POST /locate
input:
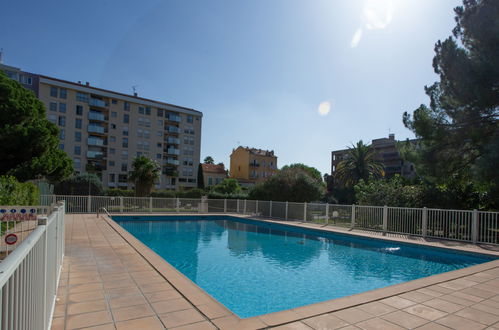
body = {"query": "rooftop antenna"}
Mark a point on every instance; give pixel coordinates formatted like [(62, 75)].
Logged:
[(134, 87)]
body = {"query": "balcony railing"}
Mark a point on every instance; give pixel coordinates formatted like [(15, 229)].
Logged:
[(96, 116), (172, 161), (173, 140), (95, 142), (254, 164), (173, 151), (95, 154), (174, 118), (96, 129), (97, 103), (172, 129)]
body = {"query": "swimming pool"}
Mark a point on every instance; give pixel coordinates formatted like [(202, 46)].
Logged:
[(255, 267)]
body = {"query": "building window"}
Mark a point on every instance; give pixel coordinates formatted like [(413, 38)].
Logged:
[(114, 114), (122, 178), (124, 167), (158, 144), (78, 123), (113, 126), (112, 138), (82, 97), (190, 119), (158, 156), (210, 181), (114, 101), (148, 111), (63, 93), (160, 112), (62, 107), (141, 110), (111, 163), (159, 133), (62, 134), (53, 119), (53, 106), (160, 123), (62, 121), (77, 136), (124, 154), (126, 106), (112, 151), (77, 150), (125, 130), (61, 146), (79, 110), (147, 134), (53, 91), (77, 163), (125, 143), (126, 118)]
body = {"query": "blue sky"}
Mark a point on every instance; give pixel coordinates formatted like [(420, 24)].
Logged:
[(258, 70)]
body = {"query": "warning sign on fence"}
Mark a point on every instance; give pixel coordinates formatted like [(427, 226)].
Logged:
[(17, 213)]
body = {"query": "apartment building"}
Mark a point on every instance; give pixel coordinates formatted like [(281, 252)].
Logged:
[(213, 174), (251, 165), (386, 152), (102, 131)]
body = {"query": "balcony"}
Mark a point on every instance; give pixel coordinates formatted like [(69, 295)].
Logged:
[(96, 129), (93, 141), (93, 115), (172, 161), (173, 151), (172, 140), (97, 103), (170, 171), (172, 129), (95, 154), (254, 165), (174, 118)]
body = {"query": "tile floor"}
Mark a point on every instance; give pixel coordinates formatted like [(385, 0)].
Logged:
[(107, 284)]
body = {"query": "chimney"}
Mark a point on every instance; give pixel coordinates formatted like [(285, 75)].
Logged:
[(79, 82), (391, 137), (87, 83), (135, 94)]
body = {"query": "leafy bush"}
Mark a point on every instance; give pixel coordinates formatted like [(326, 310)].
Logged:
[(81, 184), (392, 192), (120, 192), (164, 194), (227, 186), (13, 192), (191, 193)]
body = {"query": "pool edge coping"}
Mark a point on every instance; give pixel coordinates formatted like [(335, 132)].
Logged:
[(223, 318)]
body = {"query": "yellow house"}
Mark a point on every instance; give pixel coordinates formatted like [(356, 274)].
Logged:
[(251, 165)]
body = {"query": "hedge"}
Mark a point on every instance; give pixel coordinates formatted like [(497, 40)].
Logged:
[(13, 192)]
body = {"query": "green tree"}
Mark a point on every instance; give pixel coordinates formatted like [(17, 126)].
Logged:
[(359, 164), (144, 173), (311, 171), (209, 160), (228, 186), (81, 184), (30, 143), (12, 192), (291, 184), (200, 177), (459, 130)]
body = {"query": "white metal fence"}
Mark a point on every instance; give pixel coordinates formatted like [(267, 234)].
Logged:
[(470, 226), (30, 274)]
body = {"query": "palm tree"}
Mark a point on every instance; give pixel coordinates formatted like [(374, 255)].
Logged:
[(145, 172), (360, 163)]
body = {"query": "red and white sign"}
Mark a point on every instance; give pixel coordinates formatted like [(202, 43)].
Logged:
[(11, 239)]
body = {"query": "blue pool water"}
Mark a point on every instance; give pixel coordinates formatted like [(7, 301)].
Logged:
[(255, 268)]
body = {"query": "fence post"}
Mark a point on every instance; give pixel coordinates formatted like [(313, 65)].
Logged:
[(244, 210), (270, 210), (177, 204), (89, 204), (150, 204), (256, 207), (286, 212), (474, 227), (327, 213), (121, 204), (237, 208), (385, 219), (353, 216), (424, 222), (53, 199), (305, 212), (225, 205)]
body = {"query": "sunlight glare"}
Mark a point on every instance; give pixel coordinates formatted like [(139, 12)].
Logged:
[(324, 108)]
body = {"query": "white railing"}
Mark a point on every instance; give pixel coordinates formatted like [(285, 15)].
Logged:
[(30, 274), (470, 226)]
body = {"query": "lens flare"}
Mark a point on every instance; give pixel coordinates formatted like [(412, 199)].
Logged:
[(324, 108)]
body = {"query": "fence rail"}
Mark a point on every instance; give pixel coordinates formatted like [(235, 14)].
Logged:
[(30, 274), (463, 225)]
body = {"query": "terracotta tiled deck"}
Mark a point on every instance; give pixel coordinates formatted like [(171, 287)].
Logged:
[(111, 281)]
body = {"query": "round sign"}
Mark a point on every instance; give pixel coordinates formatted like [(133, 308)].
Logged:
[(335, 214), (11, 239)]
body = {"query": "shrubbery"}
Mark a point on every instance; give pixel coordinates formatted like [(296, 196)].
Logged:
[(13, 192), (81, 184), (393, 192)]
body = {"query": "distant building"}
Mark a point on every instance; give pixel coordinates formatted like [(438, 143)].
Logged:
[(251, 165), (213, 174), (386, 152), (105, 130)]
